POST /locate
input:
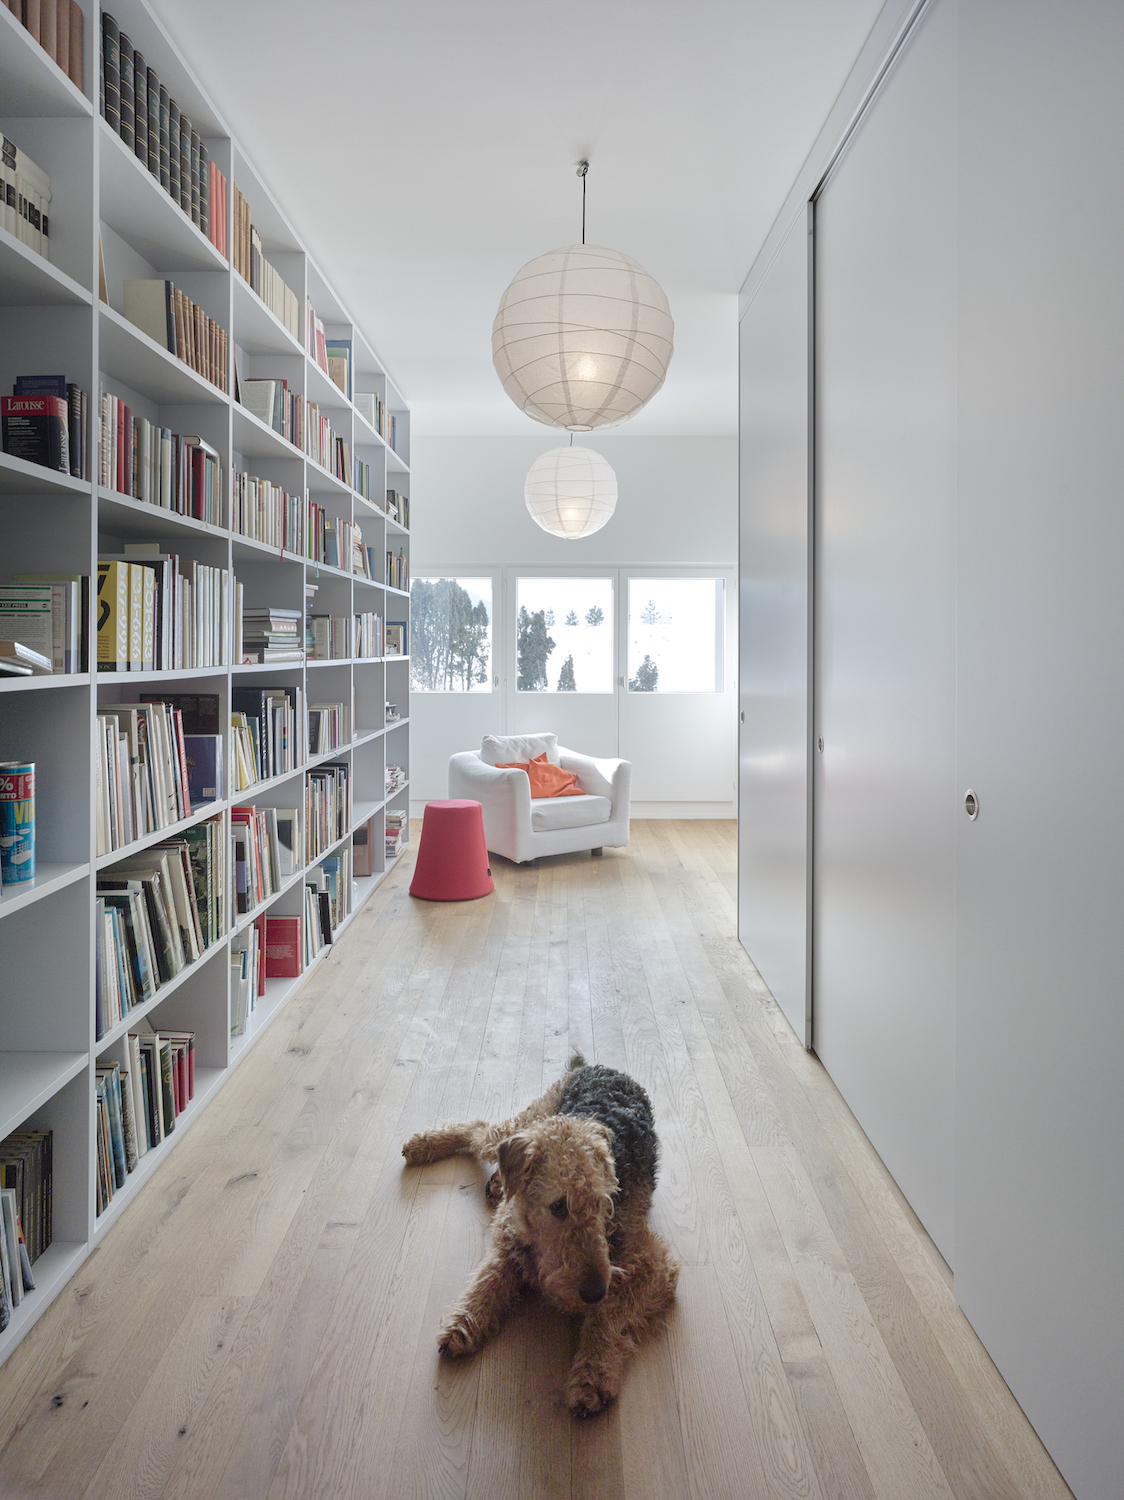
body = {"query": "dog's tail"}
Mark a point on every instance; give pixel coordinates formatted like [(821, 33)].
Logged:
[(577, 1061)]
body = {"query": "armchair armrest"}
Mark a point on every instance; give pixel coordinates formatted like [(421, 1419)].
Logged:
[(504, 796), (601, 778)]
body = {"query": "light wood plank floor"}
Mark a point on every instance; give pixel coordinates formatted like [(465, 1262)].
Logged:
[(261, 1323)]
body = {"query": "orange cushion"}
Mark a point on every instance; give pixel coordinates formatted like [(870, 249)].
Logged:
[(546, 780)]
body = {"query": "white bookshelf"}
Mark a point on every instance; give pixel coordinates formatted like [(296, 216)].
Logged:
[(52, 321)]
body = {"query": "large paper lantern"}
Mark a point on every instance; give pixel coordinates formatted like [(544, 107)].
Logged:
[(583, 338), (571, 492)]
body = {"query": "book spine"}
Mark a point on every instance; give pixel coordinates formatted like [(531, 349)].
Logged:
[(173, 148), (196, 206), (17, 822), (185, 164), (76, 68), (125, 50), (204, 189), (162, 107), (111, 67), (140, 107), (152, 92)]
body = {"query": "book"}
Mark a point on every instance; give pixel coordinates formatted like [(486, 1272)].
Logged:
[(26, 1160), (26, 197), (363, 848), (339, 364), (15, 653), (70, 617), (204, 767), (17, 822), (36, 429), (283, 947), (288, 833), (174, 322)]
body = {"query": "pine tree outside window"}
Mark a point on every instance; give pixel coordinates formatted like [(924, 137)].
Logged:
[(564, 635), (451, 635)]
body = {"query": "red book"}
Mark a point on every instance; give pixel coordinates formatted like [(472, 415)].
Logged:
[(181, 755), (282, 947)]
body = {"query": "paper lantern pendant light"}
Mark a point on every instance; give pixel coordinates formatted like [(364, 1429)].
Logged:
[(571, 492), (583, 336)]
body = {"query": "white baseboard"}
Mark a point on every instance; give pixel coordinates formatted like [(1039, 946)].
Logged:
[(653, 809)]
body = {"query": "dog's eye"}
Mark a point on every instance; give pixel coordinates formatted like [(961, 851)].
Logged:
[(558, 1208)]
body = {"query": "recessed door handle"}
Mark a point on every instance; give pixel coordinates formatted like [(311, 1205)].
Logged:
[(971, 804)]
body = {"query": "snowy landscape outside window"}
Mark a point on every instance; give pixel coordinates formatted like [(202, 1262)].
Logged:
[(564, 635), (675, 629), (451, 635)]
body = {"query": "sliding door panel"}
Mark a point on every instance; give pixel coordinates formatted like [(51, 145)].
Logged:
[(773, 649), (884, 852)]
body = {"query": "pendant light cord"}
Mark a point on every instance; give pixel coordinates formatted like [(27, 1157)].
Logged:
[(583, 168)]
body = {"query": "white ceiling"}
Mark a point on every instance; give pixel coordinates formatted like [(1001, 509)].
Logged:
[(424, 151)]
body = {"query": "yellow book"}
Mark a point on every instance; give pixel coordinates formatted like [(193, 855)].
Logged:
[(149, 619), (113, 617), (136, 617)]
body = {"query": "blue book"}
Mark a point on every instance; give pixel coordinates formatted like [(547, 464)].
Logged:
[(41, 385), (204, 767)]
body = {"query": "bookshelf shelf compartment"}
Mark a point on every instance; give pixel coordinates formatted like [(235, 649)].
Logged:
[(253, 439), (27, 280), (31, 83), (188, 971), (116, 510), (54, 680), (256, 329), (207, 1082), (208, 810), (18, 477), (135, 205), (29, 1079), (130, 356), (49, 878)]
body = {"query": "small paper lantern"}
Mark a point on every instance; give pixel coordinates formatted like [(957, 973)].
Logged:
[(582, 338), (571, 492)]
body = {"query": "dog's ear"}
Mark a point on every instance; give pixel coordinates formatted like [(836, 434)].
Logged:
[(515, 1157)]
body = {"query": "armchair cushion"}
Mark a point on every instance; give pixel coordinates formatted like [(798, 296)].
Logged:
[(511, 749), (580, 811)]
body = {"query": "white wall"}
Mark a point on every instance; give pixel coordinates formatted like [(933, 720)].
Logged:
[(677, 506), (678, 502)]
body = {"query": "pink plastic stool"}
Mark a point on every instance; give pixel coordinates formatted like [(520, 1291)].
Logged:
[(452, 863)]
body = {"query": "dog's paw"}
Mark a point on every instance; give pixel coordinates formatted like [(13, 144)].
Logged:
[(494, 1191), (459, 1336), (419, 1149), (589, 1392)]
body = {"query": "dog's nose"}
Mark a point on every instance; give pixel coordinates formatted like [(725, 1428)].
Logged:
[(592, 1291)]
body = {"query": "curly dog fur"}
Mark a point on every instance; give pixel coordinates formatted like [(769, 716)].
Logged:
[(576, 1170)]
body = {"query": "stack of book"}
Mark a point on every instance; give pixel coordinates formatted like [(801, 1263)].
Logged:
[(139, 108), (329, 727), (18, 660), (173, 321), (44, 422), (327, 808), (161, 467), (256, 271), (396, 638), (143, 777), (160, 612), (26, 1212), (247, 974), (398, 508), (48, 616), (153, 919), (255, 856), (270, 634), (268, 732), (395, 777), (397, 827), (325, 902), (265, 512), (368, 638), (324, 445), (25, 193), (57, 25), (271, 401), (138, 1106), (372, 408)]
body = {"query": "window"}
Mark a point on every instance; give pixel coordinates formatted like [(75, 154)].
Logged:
[(451, 635), (564, 635), (675, 631)]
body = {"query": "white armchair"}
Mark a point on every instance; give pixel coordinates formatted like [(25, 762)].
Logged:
[(521, 827)]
